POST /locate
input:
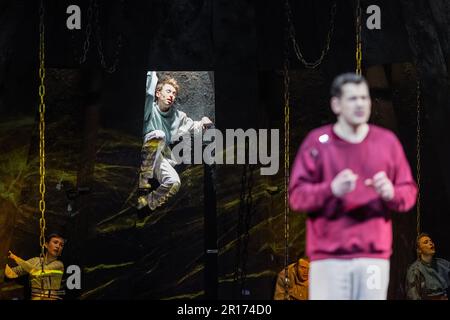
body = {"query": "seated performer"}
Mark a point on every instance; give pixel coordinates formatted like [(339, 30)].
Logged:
[(428, 277), (297, 282), (46, 284)]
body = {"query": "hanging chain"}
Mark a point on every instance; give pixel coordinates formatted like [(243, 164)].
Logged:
[(286, 80), (238, 269), (286, 175), (247, 221), (326, 48), (94, 8), (88, 33), (112, 68), (245, 214), (42, 132), (418, 133), (358, 37)]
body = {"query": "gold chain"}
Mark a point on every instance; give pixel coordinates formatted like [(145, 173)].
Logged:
[(418, 157), (286, 173), (288, 34), (42, 131), (298, 53), (358, 37)]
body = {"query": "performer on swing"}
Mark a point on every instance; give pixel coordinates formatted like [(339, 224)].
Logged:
[(164, 124), (45, 286), (349, 176)]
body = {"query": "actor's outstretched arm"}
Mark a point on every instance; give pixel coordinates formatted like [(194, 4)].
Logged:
[(150, 89)]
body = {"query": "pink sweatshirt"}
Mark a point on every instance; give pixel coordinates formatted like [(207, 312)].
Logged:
[(358, 224)]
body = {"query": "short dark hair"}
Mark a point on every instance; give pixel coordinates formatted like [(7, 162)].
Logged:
[(341, 80), (54, 235)]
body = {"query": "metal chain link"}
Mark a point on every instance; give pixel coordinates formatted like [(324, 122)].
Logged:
[(292, 35), (286, 80), (247, 221), (358, 37), (42, 225), (286, 175), (238, 269), (113, 66), (94, 9), (418, 141), (86, 44), (418, 160), (245, 214)]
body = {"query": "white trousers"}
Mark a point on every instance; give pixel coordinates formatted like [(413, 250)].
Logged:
[(157, 166), (349, 279)]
